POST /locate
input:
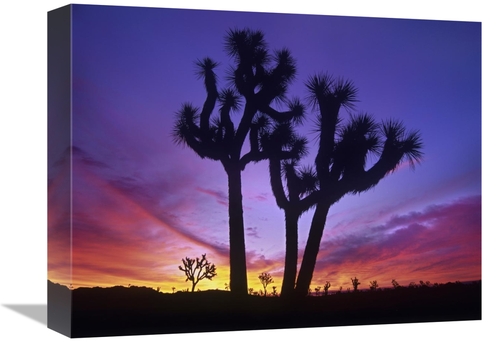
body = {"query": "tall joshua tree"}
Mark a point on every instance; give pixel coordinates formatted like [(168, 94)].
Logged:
[(257, 81), (342, 153)]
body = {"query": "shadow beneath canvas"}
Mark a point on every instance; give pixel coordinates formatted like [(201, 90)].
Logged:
[(37, 312)]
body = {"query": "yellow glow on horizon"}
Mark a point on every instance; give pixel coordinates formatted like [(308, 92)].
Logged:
[(222, 279)]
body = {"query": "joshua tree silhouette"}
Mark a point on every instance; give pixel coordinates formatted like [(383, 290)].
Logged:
[(339, 167), (259, 78), (342, 154), (355, 284), (326, 287), (196, 270), (265, 279)]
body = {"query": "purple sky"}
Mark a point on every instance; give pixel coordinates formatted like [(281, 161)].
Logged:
[(143, 203)]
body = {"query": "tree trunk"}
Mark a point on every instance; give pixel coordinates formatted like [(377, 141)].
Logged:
[(291, 252), (237, 256), (312, 249)]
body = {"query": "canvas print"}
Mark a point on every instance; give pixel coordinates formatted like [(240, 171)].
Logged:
[(217, 170)]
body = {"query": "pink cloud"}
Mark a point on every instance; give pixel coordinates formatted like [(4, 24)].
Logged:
[(220, 196), (442, 242)]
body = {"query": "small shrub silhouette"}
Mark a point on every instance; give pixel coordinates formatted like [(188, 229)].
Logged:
[(265, 279), (355, 284), (425, 284), (373, 285), (326, 287), (197, 269)]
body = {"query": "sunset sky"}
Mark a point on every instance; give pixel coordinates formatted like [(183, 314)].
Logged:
[(142, 203)]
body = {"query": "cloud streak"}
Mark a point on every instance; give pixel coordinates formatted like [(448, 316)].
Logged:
[(219, 196), (434, 242)]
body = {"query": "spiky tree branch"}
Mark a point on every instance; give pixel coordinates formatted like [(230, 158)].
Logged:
[(197, 269)]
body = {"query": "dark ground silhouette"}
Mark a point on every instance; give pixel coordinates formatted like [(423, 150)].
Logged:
[(140, 310)]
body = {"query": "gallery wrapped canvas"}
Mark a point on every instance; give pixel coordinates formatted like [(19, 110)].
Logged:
[(217, 170)]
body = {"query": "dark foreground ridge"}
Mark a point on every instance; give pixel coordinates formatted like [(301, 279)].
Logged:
[(134, 310)]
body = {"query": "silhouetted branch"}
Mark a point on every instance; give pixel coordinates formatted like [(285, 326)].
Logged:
[(265, 279), (197, 269)]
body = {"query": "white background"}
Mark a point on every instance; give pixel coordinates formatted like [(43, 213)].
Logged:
[(23, 174)]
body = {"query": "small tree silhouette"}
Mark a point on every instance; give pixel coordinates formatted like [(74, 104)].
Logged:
[(173, 289), (197, 269), (355, 284), (373, 285), (326, 287), (425, 284), (395, 284), (265, 279), (317, 289)]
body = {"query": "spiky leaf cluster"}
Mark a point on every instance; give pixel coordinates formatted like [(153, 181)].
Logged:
[(256, 81), (344, 148), (258, 72)]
